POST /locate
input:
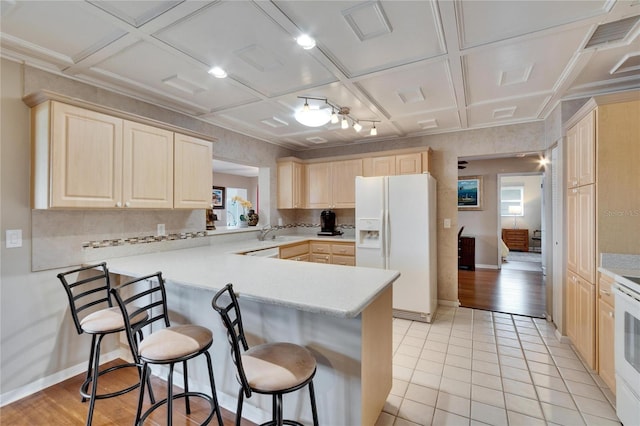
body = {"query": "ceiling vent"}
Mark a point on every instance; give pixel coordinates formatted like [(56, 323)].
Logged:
[(612, 31)]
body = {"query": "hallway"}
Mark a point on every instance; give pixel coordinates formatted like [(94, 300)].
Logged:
[(512, 291)]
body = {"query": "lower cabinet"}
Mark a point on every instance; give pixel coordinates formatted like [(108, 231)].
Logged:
[(334, 253), (295, 251), (342, 253), (606, 323), (581, 316)]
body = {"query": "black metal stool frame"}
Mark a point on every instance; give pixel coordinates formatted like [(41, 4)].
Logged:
[(236, 337), (134, 306), (79, 301)]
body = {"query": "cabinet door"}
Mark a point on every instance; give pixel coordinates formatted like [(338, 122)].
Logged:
[(606, 366), (586, 233), (147, 166), (318, 177), (572, 157), (572, 229), (343, 174), (409, 164), (193, 174), (571, 307), (86, 158), (586, 321), (380, 166), (290, 185), (586, 149)]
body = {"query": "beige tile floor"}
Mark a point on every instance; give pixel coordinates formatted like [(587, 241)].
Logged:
[(473, 367)]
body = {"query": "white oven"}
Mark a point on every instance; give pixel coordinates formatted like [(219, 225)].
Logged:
[(627, 351)]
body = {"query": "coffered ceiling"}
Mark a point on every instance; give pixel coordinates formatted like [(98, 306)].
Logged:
[(414, 67)]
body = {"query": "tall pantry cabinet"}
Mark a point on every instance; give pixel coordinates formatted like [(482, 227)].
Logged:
[(603, 168)]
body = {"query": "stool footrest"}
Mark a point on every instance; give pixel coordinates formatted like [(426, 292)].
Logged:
[(158, 404), (85, 386)]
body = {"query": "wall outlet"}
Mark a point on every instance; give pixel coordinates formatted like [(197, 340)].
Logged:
[(14, 238), (161, 230)]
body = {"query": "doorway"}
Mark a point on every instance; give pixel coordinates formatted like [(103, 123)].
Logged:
[(516, 286), (520, 220)]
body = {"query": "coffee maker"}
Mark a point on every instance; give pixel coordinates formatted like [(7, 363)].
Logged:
[(328, 223)]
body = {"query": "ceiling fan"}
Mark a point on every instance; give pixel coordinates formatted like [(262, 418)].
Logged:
[(462, 164)]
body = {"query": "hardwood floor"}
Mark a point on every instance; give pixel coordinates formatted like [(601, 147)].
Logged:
[(60, 405), (511, 291)]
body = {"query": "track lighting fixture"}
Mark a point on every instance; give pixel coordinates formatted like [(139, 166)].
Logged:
[(324, 112), (334, 116)]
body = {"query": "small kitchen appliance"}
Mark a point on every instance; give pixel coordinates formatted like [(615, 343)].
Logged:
[(328, 223)]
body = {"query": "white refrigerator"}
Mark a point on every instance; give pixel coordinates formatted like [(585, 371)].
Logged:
[(396, 229)]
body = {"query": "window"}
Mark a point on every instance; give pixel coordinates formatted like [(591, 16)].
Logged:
[(512, 201)]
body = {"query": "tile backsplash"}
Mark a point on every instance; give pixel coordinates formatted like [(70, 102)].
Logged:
[(62, 238)]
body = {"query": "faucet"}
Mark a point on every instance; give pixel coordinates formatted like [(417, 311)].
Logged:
[(265, 231)]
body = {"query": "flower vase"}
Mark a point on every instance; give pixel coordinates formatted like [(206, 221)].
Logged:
[(253, 218)]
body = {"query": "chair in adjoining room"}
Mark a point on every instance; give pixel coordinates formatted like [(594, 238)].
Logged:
[(93, 313), (270, 368), (167, 346)]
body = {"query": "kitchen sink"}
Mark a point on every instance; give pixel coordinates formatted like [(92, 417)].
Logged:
[(273, 252)]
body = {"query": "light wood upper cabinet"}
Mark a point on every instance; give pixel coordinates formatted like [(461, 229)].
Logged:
[(343, 175), (291, 178), (77, 157), (147, 166), (587, 149), (581, 152), (379, 166), (83, 158), (192, 172), (318, 177), (399, 164), (332, 184), (409, 164)]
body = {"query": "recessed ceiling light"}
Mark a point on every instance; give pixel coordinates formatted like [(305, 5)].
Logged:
[(306, 42), (218, 72)]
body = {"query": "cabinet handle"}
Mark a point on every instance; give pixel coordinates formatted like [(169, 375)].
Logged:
[(605, 292), (127, 204), (574, 190), (118, 204), (611, 314)]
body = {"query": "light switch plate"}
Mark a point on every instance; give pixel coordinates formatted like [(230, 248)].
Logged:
[(447, 223), (14, 238)]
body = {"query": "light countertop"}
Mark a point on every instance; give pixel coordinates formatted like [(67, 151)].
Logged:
[(342, 291), (620, 267)]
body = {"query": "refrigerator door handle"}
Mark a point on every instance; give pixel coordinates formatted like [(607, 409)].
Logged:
[(386, 238)]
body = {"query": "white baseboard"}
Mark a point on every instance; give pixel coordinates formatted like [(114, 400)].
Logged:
[(449, 303), (45, 382), (485, 266)]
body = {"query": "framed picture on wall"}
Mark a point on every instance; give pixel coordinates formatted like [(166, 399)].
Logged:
[(218, 197), (470, 193)]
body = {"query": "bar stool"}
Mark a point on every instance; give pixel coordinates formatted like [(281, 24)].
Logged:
[(167, 346), (93, 313), (271, 368)]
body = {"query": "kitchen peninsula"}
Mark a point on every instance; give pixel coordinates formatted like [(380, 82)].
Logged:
[(341, 313)]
